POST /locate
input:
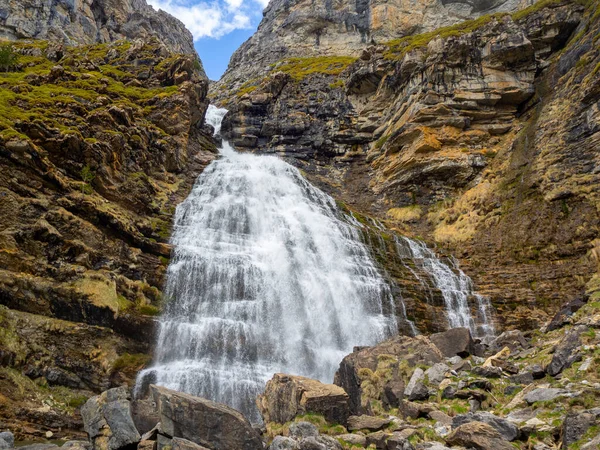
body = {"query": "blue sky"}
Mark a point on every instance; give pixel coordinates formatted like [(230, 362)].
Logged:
[(218, 26)]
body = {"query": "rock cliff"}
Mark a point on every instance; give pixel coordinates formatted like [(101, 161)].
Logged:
[(298, 28), (92, 21), (98, 144), (464, 135)]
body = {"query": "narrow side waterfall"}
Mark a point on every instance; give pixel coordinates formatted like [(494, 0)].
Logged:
[(454, 285), (267, 276)]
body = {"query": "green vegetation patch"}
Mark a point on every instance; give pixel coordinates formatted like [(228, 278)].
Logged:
[(397, 48), (300, 68)]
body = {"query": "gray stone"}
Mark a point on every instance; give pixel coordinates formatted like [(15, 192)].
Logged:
[(107, 420), (77, 445), (522, 378), (40, 447), (478, 435), (8, 438), (575, 426), (319, 443), (507, 430), (4, 445), (512, 339), (283, 443), (441, 417), (436, 373), (301, 430), (566, 352), (545, 394), (184, 444), (431, 446), (594, 444), (415, 389), (204, 422)]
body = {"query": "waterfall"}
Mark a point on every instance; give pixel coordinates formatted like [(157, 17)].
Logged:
[(454, 285), (267, 276)]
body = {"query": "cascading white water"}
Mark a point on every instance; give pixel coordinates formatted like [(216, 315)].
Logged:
[(267, 276), (454, 285)]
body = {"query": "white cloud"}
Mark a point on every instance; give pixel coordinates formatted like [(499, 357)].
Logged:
[(214, 19)]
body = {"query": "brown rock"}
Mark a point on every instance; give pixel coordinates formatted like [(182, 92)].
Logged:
[(287, 396), (203, 422), (365, 422), (478, 435)]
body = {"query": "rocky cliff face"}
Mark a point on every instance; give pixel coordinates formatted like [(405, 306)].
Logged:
[(464, 135), (90, 21), (299, 28), (98, 144)]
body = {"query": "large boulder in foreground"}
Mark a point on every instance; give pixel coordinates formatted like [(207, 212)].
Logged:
[(392, 360), (287, 396), (107, 421), (453, 342), (203, 422)]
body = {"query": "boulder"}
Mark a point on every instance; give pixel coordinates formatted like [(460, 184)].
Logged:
[(431, 446), (390, 357), (562, 317), (453, 342), (144, 414), (301, 430), (566, 352), (436, 373), (512, 339), (399, 440), (378, 439), (575, 426), (507, 430), (319, 443), (478, 435), (353, 439), (287, 396), (203, 422), (416, 389), (283, 443), (441, 417), (365, 422), (7, 438), (40, 447), (147, 445), (544, 394), (184, 444), (107, 420), (488, 371)]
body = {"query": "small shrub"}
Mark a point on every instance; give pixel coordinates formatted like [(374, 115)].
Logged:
[(87, 176), (8, 58)]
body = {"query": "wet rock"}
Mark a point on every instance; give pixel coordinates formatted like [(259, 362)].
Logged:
[(478, 435), (567, 352), (203, 422), (454, 342), (575, 426), (287, 396), (107, 420), (365, 422), (507, 430)]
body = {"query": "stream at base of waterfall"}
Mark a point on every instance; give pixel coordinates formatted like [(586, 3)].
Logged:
[(269, 276)]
